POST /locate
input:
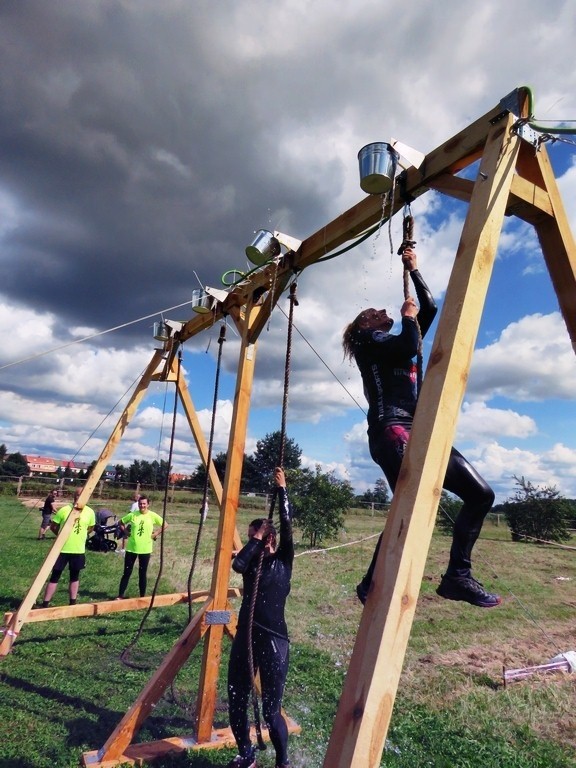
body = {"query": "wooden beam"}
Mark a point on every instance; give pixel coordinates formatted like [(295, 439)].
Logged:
[(527, 201), (116, 744), (82, 610), (147, 752), (558, 247), (367, 700), (202, 447), (207, 690)]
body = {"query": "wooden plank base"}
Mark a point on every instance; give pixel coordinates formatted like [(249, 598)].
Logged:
[(138, 754)]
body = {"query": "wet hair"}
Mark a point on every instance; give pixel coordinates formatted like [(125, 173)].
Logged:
[(348, 337), (257, 524)]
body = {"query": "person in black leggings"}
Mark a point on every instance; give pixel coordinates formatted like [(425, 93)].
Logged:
[(385, 361), (270, 644)]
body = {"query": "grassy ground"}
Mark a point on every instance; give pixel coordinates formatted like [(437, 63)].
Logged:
[(64, 688)]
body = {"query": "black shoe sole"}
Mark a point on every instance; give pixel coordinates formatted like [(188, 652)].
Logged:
[(476, 604)]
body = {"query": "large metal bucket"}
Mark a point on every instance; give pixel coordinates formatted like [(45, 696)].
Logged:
[(202, 302), (378, 162), (263, 248), (161, 331)]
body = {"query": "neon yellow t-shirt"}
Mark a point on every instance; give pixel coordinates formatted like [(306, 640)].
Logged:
[(75, 544), (141, 529)]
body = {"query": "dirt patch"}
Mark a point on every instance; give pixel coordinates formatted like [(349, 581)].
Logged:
[(532, 649), (31, 503)]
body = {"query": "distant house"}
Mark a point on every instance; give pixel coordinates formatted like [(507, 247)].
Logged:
[(178, 478), (74, 467), (42, 465)]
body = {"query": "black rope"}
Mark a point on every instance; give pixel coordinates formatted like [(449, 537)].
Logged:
[(124, 654), (204, 505), (409, 242), (253, 597)]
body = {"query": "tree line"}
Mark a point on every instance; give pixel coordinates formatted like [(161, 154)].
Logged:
[(320, 500)]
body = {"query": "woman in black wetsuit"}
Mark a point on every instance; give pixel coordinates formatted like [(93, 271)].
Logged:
[(388, 373), (270, 644)]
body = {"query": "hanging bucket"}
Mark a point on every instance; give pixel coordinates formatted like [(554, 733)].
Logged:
[(161, 331), (263, 248), (201, 302), (377, 163)]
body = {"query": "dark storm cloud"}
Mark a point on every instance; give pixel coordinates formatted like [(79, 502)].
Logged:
[(133, 152)]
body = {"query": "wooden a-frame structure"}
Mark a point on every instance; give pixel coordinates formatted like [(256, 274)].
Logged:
[(514, 179)]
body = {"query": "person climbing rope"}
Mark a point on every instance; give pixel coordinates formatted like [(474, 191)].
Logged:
[(385, 361), (271, 575)]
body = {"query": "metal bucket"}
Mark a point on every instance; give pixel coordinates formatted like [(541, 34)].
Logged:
[(263, 248), (378, 162), (201, 302), (161, 331)]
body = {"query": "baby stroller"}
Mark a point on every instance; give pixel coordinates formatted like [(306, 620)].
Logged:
[(103, 536)]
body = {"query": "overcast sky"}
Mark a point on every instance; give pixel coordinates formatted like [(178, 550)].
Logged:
[(143, 143)]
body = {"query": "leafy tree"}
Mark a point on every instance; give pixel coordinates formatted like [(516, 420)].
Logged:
[(198, 477), (571, 512), (448, 510), (15, 465), (120, 473), (266, 457), (380, 494), (3, 453), (149, 473), (320, 502), (537, 512)]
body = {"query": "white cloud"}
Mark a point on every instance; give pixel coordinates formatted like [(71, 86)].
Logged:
[(532, 360), (477, 422)]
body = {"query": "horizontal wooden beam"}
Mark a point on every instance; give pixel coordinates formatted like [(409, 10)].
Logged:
[(116, 606), (142, 754)]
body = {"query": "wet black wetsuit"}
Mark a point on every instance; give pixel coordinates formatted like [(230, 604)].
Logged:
[(388, 372), (270, 642)]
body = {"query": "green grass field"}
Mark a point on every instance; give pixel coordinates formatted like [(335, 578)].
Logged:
[(64, 687)]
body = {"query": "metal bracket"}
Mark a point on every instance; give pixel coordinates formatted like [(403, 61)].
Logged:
[(217, 617), (511, 104)]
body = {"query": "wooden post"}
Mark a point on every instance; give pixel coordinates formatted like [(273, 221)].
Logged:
[(112, 753), (206, 700), (558, 247), (367, 700)]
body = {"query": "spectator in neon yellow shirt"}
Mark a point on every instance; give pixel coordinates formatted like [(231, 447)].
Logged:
[(73, 550), (145, 527)]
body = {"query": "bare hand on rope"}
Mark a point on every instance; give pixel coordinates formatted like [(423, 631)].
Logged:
[(409, 259), (279, 477), (409, 308)]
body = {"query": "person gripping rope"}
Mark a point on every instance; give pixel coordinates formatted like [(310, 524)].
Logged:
[(385, 361), (270, 643)]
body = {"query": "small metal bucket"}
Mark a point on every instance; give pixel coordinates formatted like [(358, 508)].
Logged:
[(263, 248), (202, 302), (378, 162), (161, 331)]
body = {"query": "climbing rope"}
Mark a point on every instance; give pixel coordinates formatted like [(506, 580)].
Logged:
[(409, 242), (254, 595), (204, 505)]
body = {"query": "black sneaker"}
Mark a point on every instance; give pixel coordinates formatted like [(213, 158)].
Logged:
[(467, 589), (362, 593), (244, 762)]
